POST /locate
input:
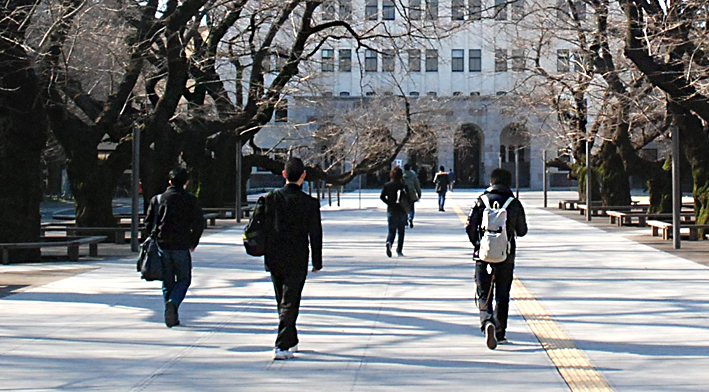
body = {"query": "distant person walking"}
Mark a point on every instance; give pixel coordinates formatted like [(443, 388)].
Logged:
[(494, 279), (413, 187), (396, 215), (451, 178), (296, 225), (441, 181), (180, 224)]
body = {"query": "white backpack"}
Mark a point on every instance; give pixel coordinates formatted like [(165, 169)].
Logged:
[(494, 245)]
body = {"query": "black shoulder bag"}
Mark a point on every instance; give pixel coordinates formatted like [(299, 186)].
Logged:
[(150, 262)]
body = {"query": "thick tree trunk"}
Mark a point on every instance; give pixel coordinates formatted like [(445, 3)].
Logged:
[(615, 187), (23, 135)]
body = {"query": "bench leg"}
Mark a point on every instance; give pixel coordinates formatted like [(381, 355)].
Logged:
[(212, 221), (666, 233), (73, 252), (655, 231), (93, 248), (119, 237), (5, 256)]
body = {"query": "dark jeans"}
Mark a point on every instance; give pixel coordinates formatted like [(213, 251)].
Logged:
[(441, 199), (288, 287), (177, 270), (411, 214), (396, 222), (503, 273)]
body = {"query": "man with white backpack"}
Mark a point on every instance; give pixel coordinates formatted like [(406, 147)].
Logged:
[(494, 222)]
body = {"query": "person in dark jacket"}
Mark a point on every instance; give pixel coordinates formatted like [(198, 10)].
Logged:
[(441, 180), (180, 224), (494, 280), (296, 224), (396, 216)]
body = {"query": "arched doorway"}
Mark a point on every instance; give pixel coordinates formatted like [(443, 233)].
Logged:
[(467, 156), (515, 138)]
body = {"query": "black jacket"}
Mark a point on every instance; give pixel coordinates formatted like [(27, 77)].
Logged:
[(296, 224), (389, 194), (516, 219), (180, 219)]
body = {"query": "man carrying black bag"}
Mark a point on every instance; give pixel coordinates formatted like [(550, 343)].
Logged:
[(296, 223), (178, 228)]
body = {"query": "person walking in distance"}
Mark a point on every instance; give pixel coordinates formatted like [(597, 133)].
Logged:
[(494, 278), (451, 178), (441, 181), (179, 226), (413, 187), (396, 215), (296, 224)]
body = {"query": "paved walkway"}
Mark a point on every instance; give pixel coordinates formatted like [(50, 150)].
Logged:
[(591, 310)]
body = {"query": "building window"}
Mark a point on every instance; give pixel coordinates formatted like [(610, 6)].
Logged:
[(432, 94), (388, 10), (457, 93), (562, 60), (345, 64), (457, 60), (388, 60), (431, 60), (371, 8), (282, 111), (458, 9), (518, 10), (431, 9), (414, 94), (564, 11), (475, 60), (475, 93), (370, 61), (500, 60), (518, 61), (328, 10), (370, 93), (267, 64), (345, 9), (503, 154), (344, 93), (501, 93), (475, 9), (414, 60), (500, 9), (415, 9), (328, 60), (327, 94), (577, 61)]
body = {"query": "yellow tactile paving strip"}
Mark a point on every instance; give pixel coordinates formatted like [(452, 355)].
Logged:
[(572, 364)]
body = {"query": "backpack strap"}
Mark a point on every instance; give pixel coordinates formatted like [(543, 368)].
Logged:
[(507, 203), (486, 201)]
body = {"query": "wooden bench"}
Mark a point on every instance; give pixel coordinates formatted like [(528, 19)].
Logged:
[(666, 228), (71, 243), (211, 218), (626, 218), (599, 210), (116, 234)]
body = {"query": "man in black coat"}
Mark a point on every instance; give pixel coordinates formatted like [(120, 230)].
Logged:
[(180, 224), (296, 223), (494, 280)]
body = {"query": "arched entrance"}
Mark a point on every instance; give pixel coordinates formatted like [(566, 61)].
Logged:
[(467, 156), (515, 137)]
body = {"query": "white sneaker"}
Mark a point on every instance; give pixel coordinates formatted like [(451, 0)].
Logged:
[(502, 341), (293, 349), (490, 338), (281, 354)]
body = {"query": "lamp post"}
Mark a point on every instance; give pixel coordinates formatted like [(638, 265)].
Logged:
[(589, 173), (676, 191), (237, 210), (135, 192), (544, 176)]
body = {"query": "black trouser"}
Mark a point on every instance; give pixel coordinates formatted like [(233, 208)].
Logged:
[(288, 286), (501, 286), (396, 222)]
